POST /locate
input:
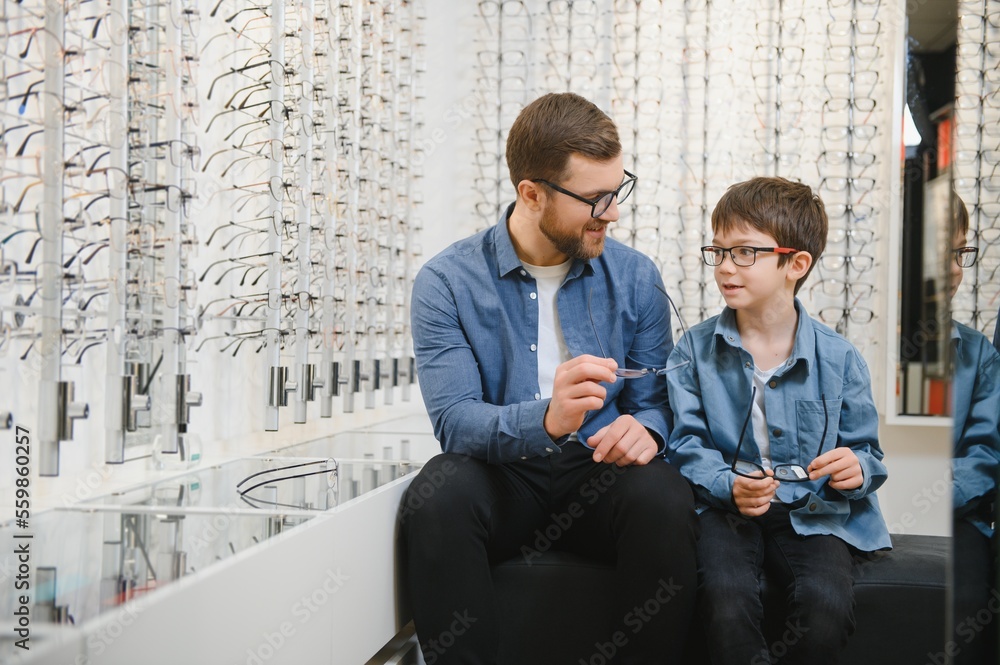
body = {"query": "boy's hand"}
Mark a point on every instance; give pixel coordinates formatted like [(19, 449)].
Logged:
[(577, 389), (624, 442), (752, 496), (843, 467)]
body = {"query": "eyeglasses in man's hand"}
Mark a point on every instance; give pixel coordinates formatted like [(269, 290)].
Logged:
[(622, 372)]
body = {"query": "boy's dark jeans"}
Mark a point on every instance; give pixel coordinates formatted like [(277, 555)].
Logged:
[(974, 595), (461, 515), (814, 570)]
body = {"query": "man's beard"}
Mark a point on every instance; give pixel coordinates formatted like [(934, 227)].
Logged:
[(573, 244)]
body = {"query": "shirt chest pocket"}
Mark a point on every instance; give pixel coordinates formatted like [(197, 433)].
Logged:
[(813, 417)]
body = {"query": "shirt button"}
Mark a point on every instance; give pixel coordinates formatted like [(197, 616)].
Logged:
[(773, 384), (523, 273), (731, 338), (548, 450), (777, 432), (812, 507), (532, 295), (538, 396), (534, 347), (747, 365), (523, 457)]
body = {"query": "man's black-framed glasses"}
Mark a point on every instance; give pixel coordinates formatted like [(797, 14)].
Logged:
[(742, 255), (786, 473), (966, 257), (600, 205)]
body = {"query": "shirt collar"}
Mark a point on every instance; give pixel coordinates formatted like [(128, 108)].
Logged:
[(804, 348), (956, 338), (507, 258)]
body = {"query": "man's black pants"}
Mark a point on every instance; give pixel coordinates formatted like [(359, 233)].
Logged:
[(461, 515)]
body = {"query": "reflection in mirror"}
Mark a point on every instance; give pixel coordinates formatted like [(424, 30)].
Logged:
[(929, 94), (976, 408), (974, 289)]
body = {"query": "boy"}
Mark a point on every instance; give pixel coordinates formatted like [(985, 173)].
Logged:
[(976, 411), (776, 430)]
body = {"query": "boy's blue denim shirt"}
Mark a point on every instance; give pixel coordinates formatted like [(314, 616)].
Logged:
[(475, 326), (996, 333), (709, 376), (976, 409)]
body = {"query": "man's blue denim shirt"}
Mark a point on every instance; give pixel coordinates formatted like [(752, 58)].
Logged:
[(976, 423), (475, 326), (709, 377)]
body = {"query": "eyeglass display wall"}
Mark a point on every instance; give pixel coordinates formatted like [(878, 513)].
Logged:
[(976, 163), (711, 92), (196, 197)]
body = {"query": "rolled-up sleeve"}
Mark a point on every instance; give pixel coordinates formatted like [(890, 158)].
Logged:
[(689, 447), (859, 426), (451, 384)]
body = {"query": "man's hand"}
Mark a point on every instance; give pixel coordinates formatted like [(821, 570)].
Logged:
[(843, 467), (576, 390), (624, 442), (752, 496)]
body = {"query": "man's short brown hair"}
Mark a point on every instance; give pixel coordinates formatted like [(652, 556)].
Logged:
[(787, 211), (550, 129)]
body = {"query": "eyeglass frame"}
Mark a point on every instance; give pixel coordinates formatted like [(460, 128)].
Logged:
[(631, 179), (785, 251), (781, 471), (959, 252), (624, 372)]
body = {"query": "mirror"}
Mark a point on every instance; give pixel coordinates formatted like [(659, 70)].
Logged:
[(928, 92), (975, 293)]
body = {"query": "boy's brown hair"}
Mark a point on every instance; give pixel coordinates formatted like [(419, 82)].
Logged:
[(960, 215), (550, 129), (787, 211)]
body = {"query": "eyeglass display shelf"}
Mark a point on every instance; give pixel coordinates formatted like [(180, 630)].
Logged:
[(85, 562), (341, 467), (92, 559)]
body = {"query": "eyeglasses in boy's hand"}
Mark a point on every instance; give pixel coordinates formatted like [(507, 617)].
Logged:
[(786, 473)]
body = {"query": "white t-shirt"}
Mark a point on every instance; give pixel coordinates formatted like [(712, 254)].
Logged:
[(551, 350), (759, 417)]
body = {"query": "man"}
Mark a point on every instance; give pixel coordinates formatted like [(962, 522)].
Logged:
[(518, 332)]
